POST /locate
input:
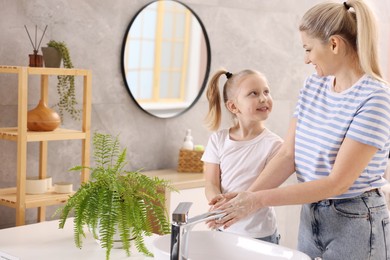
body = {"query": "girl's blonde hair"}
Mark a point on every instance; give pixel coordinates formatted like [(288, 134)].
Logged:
[(354, 22), (214, 115)]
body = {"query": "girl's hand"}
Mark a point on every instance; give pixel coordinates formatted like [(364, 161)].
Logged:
[(221, 199), (215, 203), (238, 206), (211, 223)]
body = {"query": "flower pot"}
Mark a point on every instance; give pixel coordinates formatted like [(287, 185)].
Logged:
[(42, 118), (51, 57), (118, 244)]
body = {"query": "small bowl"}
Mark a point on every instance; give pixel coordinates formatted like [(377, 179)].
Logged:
[(34, 185), (63, 187)]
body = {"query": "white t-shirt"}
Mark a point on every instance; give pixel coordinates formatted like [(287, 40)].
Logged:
[(240, 164)]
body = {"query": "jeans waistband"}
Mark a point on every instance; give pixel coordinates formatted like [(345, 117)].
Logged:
[(368, 193)]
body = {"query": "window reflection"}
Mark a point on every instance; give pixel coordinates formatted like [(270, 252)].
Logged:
[(165, 57)]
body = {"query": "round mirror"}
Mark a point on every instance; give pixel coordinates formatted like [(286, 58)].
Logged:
[(165, 58)]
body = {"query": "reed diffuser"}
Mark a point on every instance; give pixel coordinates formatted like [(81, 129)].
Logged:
[(36, 60)]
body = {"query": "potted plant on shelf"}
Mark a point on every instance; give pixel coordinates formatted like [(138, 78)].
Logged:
[(66, 83), (116, 200)]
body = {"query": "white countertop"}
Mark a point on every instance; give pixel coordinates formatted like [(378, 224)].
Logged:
[(46, 241), (179, 180)]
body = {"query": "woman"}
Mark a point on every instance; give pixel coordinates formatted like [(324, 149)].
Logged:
[(337, 142)]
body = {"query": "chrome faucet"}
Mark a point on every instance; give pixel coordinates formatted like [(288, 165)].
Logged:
[(181, 225)]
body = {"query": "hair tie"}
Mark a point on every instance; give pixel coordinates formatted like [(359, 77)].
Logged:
[(228, 75), (347, 6)]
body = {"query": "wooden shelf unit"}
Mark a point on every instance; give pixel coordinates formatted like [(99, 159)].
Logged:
[(15, 197)]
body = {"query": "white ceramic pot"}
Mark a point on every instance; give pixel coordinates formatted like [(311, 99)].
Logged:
[(34, 185), (63, 187)]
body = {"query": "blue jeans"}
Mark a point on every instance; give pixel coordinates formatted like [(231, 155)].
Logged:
[(355, 228), (274, 238)]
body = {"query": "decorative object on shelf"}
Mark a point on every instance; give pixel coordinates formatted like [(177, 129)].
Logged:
[(189, 157), (63, 187), (190, 161), (51, 57), (66, 84), (35, 59), (42, 118), (35, 185), (116, 199)]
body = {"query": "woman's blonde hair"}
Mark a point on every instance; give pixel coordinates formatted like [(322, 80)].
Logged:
[(354, 22), (214, 115)]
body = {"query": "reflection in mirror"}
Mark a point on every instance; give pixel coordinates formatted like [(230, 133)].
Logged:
[(165, 58)]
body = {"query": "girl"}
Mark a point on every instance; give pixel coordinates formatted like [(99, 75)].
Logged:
[(337, 143), (234, 157)]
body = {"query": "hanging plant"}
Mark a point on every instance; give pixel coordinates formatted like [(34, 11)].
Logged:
[(66, 84)]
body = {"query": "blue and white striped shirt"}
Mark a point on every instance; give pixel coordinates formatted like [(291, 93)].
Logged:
[(325, 118)]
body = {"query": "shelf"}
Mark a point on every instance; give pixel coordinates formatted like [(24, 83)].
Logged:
[(8, 198), (16, 197), (34, 136), (44, 71)]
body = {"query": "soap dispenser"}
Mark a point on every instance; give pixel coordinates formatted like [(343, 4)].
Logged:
[(188, 143)]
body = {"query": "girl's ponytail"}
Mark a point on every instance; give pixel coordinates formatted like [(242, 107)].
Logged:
[(214, 115)]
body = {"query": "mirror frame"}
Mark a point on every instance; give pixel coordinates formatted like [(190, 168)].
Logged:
[(207, 70)]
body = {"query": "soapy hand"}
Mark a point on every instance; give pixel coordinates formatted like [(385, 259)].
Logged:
[(214, 204), (237, 206), (212, 224), (221, 199)]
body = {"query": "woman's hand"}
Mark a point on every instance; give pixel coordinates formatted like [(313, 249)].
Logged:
[(215, 203), (237, 206)]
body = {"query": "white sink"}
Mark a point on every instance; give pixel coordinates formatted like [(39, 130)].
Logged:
[(204, 245)]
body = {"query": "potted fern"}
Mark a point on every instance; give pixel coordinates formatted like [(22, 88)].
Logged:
[(66, 83), (116, 200)]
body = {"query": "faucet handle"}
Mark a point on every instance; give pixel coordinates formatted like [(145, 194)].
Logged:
[(180, 214)]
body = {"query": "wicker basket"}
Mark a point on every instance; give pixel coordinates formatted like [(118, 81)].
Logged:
[(189, 161)]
